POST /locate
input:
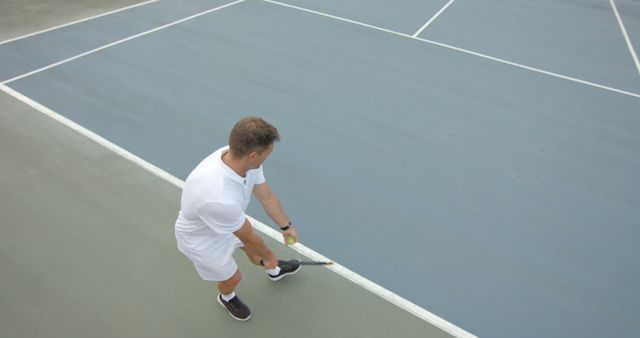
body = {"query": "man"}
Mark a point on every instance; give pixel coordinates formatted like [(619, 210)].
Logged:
[(211, 223)]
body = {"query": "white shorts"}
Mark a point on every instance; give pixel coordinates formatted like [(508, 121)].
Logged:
[(212, 264)]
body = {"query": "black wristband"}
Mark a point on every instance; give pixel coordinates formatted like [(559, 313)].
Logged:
[(286, 227)]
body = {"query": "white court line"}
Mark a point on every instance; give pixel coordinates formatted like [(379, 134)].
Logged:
[(78, 21), (433, 18), (120, 41), (533, 69), (265, 229), (626, 36)]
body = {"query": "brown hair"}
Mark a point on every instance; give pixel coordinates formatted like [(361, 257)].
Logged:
[(251, 134)]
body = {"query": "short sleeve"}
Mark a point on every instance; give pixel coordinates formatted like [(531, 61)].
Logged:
[(260, 176), (222, 217)]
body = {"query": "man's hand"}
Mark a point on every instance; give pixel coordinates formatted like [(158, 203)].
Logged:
[(290, 233)]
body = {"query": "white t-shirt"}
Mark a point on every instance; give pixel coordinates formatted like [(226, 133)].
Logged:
[(213, 205)]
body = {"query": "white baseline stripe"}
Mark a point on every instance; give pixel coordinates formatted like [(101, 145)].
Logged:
[(626, 36), (78, 21), (432, 19), (267, 230), (533, 69), (120, 41)]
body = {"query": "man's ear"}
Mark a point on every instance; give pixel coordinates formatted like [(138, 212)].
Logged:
[(252, 155)]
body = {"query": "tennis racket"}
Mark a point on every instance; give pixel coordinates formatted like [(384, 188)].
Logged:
[(314, 262)]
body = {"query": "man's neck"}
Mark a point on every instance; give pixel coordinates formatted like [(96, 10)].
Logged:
[(234, 164)]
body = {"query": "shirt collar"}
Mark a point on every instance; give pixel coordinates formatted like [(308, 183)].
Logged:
[(228, 171)]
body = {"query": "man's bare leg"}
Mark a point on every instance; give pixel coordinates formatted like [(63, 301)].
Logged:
[(227, 287), (253, 256)]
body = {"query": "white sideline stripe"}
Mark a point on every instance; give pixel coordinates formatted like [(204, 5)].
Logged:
[(433, 19), (337, 268), (78, 21), (626, 36), (120, 41), (533, 69)]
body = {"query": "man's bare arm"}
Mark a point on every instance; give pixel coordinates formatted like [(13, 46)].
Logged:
[(254, 242), (273, 208), (270, 204)]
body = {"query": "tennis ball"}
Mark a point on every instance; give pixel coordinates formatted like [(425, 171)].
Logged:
[(291, 240)]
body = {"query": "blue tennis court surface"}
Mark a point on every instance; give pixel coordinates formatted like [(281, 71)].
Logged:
[(487, 171)]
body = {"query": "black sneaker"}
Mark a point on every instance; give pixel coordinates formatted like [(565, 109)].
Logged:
[(286, 268), (237, 309)]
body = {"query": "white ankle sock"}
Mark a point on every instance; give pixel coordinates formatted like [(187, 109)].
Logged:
[(228, 297), (273, 272)]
